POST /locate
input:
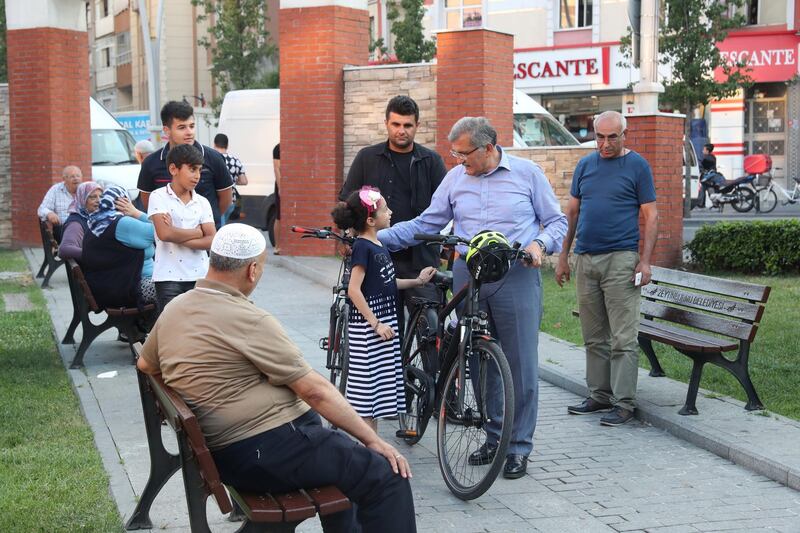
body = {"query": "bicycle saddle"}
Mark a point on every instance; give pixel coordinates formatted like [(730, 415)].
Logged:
[(443, 279)]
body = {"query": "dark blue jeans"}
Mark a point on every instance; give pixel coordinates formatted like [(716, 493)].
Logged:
[(303, 454), (167, 290)]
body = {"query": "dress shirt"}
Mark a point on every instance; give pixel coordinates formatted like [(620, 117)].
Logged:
[(57, 200), (514, 198)]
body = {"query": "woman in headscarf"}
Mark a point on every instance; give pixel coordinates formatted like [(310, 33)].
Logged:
[(118, 252), (87, 199)]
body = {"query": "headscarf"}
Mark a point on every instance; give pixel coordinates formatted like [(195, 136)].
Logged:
[(107, 212), (78, 205)]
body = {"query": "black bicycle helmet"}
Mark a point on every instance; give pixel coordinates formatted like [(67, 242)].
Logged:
[(488, 256)]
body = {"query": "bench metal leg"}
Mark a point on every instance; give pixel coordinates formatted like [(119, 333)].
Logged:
[(689, 408), (90, 333), (196, 496), (162, 463), (655, 367), (69, 337), (740, 369), (40, 274)]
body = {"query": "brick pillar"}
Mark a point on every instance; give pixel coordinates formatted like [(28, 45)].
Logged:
[(474, 78), (48, 75), (316, 42), (658, 138)]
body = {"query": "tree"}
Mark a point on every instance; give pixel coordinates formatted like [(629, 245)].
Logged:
[(239, 43), (410, 45), (689, 33)]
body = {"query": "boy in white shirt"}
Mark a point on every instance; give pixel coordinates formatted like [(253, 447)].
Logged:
[(184, 225)]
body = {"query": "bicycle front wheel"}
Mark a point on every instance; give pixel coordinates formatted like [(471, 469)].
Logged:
[(340, 350), (485, 414), (419, 371), (766, 200)]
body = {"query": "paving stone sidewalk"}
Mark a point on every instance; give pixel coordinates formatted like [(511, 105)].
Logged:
[(582, 477)]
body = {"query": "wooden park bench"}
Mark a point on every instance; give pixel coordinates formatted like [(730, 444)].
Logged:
[(680, 309), (51, 261), (262, 512), (125, 319)]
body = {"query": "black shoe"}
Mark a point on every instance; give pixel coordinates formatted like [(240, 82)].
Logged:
[(587, 407), (516, 466), (617, 417), (483, 455)]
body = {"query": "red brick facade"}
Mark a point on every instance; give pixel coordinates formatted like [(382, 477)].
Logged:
[(473, 80), (48, 73), (658, 138), (315, 43)]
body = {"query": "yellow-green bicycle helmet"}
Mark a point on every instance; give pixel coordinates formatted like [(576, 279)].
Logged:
[(488, 258)]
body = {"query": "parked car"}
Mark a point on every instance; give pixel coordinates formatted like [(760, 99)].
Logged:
[(113, 161), (534, 126)]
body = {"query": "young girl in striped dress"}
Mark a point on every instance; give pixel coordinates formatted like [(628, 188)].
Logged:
[(375, 373)]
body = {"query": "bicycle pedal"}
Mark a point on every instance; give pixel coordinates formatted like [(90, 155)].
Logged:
[(405, 433), (323, 343)]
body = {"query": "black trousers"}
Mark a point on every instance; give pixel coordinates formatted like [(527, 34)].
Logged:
[(167, 290), (303, 454), (404, 269)]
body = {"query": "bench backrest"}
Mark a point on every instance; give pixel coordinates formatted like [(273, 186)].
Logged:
[(79, 281), (182, 420), (49, 241), (727, 307)]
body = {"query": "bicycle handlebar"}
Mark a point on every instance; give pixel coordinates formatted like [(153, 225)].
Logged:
[(322, 233), (452, 240)]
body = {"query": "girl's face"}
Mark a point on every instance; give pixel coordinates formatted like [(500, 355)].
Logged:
[(382, 217)]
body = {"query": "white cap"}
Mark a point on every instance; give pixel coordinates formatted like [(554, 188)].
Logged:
[(238, 241)]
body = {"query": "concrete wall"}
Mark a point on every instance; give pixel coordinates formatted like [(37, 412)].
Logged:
[(557, 164), (5, 168), (367, 90)]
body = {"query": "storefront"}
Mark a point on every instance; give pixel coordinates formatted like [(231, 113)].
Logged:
[(575, 83), (760, 118)]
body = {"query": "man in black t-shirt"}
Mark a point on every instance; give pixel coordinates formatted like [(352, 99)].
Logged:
[(407, 175), (216, 184)]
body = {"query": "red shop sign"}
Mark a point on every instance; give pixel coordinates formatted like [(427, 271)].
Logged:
[(771, 57)]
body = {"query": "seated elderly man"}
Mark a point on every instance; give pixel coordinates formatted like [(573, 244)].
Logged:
[(257, 399), (142, 149), (55, 205)]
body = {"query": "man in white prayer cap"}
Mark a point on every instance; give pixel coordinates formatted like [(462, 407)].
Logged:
[(257, 400)]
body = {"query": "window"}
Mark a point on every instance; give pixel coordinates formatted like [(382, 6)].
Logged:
[(463, 14), (575, 14), (123, 48), (105, 58), (763, 12), (103, 9)]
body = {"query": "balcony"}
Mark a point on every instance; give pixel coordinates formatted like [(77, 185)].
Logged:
[(106, 77)]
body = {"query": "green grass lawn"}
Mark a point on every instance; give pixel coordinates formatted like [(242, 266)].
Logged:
[(51, 477), (774, 356)]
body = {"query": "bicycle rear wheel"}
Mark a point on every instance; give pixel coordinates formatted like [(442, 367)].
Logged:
[(463, 428), (419, 370), (340, 350), (744, 199), (766, 200)]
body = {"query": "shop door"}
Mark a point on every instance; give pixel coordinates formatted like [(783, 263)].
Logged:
[(765, 131)]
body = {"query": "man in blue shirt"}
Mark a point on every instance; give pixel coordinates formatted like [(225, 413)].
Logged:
[(609, 190), (492, 190)]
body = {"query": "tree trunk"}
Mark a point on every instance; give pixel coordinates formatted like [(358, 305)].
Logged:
[(687, 169)]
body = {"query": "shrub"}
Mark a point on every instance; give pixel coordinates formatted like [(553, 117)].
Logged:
[(749, 247)]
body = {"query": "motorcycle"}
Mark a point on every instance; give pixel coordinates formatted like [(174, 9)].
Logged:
[(738, 193)]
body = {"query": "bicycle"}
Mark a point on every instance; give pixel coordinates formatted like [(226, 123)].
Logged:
[(336, 344), (472, 363), (767, 198)]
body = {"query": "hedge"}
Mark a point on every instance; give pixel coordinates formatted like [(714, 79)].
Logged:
[(748, 247)]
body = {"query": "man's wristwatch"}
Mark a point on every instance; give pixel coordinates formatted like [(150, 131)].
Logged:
[(541, 245)]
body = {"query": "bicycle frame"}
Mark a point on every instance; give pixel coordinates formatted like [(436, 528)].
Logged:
[(791, 197)]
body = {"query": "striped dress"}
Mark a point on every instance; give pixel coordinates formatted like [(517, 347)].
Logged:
[(375, 372)]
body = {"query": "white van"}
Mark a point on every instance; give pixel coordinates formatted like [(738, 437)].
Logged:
[(113, 161), (251, 120), (534, 126)]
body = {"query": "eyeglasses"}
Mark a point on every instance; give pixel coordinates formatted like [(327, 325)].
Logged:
[(608, 138), (462, 155)]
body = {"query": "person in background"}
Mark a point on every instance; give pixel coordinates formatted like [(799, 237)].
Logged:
[(87, 200), (215, 183), (276, 166), (236, 169), (117, 258), (142, 150), (55, 206), (611, 188)]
